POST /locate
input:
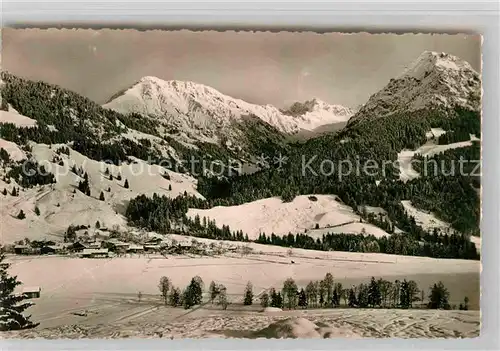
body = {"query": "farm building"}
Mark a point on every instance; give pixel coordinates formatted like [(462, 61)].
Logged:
[(26, 250), (32, 292), (152, 248), (94, 245), (115, 245), (49, 249), (135, 248), (153, 241), (95, 253), (21, 249), (79, 247), (53, 249)]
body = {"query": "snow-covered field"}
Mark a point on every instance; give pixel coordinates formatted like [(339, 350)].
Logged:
[(106, 291), (60, 206), (161, 322), (272, 215), (73, 284)]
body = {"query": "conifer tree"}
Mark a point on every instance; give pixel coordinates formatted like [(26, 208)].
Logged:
[(12, 306), (4, 191), (352, 301), (21, 215), (302, 298), (374, 296), (101, 197), (248, 295), (264, 299), (175, 297), (439, 296), (37, 211), (126, 186)]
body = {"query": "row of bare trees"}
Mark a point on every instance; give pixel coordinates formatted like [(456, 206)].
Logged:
[(325, 293)]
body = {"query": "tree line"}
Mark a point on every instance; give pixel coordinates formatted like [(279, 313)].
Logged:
[(324, 293), (378, 293)]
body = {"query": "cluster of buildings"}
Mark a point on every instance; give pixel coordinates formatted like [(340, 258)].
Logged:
[(104, 248)]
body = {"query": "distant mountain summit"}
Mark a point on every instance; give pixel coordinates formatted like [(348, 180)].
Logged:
[(203, 113), (315, 113), (432, 80)]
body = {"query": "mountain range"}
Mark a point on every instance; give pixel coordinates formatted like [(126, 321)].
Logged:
[(155, 120)]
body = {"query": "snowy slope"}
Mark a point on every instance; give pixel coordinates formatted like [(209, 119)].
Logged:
[(12, 116), (15, 153), (429, 149), (272, 215), (60, 207), (428, 221), (203, 113), (434, 79)]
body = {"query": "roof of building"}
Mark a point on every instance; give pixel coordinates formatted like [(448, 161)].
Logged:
[(117, 242), (30, 289), (136, 247), (94, 251)]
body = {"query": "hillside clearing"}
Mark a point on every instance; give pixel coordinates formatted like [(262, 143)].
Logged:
[(272, 215)]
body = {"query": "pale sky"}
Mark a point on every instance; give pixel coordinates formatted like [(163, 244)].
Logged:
[(263, 67)]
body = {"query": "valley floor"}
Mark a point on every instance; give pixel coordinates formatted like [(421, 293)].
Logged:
[(99, 297)]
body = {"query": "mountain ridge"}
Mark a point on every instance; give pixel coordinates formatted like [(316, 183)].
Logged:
[(189, 105)]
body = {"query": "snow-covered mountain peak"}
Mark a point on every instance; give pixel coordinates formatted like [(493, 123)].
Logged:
[(432, 80), (314, 113), (200, 110), (431, 60)]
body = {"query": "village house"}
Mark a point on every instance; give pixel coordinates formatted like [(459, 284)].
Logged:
[(94, 245), (135, 248), (115, 245), (152, 248), (153, 241), (95, 253), (21, 249), (32, 292), (49, 249), (79, 247), (26, 250)]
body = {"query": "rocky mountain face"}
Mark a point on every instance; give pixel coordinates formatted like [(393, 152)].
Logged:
[(433, 80)]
